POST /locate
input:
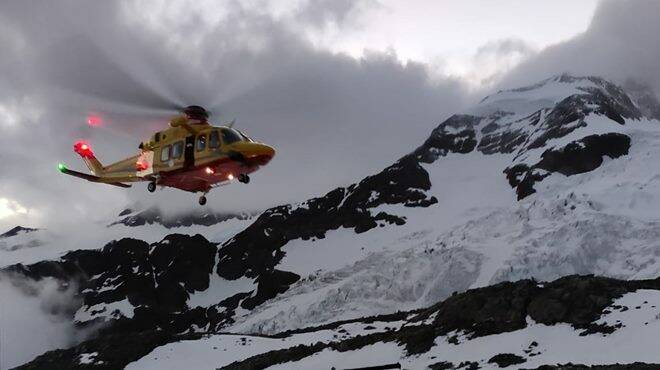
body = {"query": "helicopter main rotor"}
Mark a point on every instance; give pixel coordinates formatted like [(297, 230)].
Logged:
[(196, 112)]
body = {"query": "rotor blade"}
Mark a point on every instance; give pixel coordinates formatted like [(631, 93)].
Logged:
[(83, 68)]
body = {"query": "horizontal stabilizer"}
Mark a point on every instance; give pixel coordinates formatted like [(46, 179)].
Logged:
[(88, 177)]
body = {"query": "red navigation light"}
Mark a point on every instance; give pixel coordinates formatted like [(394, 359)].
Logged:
[(83, 149), (141, 165), (94, 120)]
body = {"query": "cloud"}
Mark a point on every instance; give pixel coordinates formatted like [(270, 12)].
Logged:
[(321, 13), (491, 61), (36, 317), (332, 118), (620, 43), (504, 49)]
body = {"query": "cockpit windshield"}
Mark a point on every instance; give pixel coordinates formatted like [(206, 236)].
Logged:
[(230, 136), (245, 137)]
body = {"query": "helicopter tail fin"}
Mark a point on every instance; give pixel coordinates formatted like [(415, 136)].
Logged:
[(85, 151)]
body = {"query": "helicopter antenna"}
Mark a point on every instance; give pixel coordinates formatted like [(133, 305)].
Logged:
[(232, 123)]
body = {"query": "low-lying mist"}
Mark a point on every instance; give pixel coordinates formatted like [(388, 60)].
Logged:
[(35, 317)]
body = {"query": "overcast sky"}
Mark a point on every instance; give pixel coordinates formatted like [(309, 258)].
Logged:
[(341, 88)]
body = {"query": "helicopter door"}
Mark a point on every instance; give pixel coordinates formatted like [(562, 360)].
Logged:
[(189, 153)]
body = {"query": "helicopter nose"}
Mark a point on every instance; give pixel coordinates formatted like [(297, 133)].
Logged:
[(270, 151), (256, 153)]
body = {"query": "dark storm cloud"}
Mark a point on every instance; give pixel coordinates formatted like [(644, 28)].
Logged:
[(620, 43), (332, 118)]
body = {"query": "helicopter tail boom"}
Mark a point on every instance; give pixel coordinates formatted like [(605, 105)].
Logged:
[(87, 177)]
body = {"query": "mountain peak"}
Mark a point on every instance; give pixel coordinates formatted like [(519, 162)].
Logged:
[(153, 215), (545, 94), (644, 97), (17, 230)]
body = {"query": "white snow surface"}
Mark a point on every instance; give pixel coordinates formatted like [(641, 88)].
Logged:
[(105, 311), (89, 358)]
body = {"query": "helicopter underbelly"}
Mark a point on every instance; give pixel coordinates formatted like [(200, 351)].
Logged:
[(202, 178)]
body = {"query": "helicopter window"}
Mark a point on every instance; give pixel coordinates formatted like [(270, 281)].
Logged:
[(165, 153), (230, 136), (177, 149), (157, 137), (214, 139), (201, 143)]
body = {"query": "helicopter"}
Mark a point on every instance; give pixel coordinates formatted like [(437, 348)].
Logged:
[(190, 155)]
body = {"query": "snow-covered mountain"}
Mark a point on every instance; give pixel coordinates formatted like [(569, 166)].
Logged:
[(153, 215), (17, 238), (554, 179)]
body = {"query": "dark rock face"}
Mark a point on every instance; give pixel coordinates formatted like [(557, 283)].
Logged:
[(443, 365), (502, 136), (455, 135), (153, 215), (125, 212), (15, 231), (486, 311), (577, 157), (506, 360), (585, 155)]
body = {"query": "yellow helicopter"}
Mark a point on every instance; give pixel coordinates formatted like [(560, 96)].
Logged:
[(190, 155)]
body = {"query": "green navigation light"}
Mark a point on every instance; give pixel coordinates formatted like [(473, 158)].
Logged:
[(61, 167)]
